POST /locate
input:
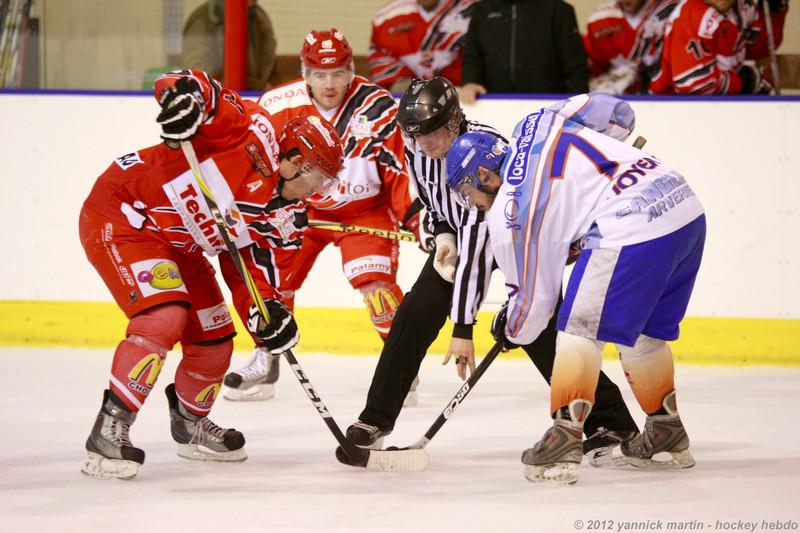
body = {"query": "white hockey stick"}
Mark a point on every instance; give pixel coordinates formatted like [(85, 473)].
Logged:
[(347, 452)]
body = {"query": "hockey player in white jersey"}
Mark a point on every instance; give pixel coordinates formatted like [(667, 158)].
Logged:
[(567, 176)]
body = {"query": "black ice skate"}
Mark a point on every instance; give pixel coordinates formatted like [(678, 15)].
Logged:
[(200, 439), (664, 444), (111, 454), (556, 457), (255, 381), (603, 447), (366, 436)]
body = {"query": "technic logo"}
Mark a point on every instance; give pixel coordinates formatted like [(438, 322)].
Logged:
[(155, 275), (517, 169)]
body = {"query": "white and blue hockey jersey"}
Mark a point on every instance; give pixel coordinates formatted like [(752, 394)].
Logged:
[(569, 177)]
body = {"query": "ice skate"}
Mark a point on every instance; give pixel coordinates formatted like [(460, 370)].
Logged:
[(255, 381), (200, 439), (411, 397), (603, 447), (366, 436), (111, 454), (664, 444), (556, 457)]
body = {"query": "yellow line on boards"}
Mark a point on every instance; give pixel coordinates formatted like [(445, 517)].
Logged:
[(723, 341)]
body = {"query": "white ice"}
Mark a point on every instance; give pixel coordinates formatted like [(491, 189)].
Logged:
[(743, 424)]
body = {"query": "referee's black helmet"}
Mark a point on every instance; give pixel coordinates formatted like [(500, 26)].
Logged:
[(427, 105)]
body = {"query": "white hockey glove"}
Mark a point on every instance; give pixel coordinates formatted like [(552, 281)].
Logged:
[(446, 256), (281, 333), (181, 111)]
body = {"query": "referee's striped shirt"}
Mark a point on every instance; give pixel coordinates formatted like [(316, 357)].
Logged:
[(474, 269)]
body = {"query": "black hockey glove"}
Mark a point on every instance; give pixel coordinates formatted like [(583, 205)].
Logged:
[(751, 77), (181, 111), (281, 333), (499, 328)]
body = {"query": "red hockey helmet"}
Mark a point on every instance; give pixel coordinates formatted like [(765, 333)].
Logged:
[(317, 142), (326, 49)]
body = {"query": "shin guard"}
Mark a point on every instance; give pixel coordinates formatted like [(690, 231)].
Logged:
[(138, 359), (576, 370), (199, 375), (382, 300), (649, 369)]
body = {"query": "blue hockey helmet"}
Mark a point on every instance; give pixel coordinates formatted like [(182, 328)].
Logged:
[(469, 151)]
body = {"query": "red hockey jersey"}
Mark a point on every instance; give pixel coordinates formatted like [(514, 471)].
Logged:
[(374, 172), (615, 39), (154, 191), (409, 42), (704, 48)]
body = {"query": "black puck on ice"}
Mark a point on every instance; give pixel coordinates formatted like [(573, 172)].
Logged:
[(392, 449)]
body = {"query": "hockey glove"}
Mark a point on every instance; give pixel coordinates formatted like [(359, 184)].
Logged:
[(751, 77), (446, 256), (181, 111), (499, 328), (574, 252), (281, 333)]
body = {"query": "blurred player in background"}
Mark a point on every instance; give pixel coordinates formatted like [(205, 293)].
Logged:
[(146, 226), (373, 191)]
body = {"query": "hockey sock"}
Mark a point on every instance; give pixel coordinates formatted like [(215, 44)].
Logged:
[(649, 369), (199, 375), (382, 300), (138, 359), (576, 370)]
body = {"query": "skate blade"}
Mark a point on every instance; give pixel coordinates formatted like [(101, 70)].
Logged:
[(194, 452), (256, 393), (678, 461), (553, 473), (398, 460), (411, 399), (101, 467)]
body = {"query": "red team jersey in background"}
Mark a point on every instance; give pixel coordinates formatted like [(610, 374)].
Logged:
[(373, 187), (614, 37), (703, 48), (409, 42), (150, 203)]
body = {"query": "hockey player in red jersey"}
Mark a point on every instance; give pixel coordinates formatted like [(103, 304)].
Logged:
[(373, 191), (146, 226), (418, 39), (623, 41), (710, 46)]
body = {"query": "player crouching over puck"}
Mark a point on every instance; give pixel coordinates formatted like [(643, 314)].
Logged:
[(567, 176)]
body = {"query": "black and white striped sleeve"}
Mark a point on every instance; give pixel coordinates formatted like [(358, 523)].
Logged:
[(473, 272)]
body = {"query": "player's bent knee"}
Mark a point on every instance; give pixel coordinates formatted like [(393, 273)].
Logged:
[(208, 361), (162, 326)]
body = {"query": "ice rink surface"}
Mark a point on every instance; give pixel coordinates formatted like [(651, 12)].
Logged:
[(743, 423)]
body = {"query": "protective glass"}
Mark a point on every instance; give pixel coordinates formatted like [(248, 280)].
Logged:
[(317, 180), (463, 192)]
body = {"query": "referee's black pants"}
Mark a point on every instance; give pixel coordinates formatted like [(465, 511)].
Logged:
[(416, 324)]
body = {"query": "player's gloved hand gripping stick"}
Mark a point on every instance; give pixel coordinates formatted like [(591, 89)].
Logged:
[(399, 461)]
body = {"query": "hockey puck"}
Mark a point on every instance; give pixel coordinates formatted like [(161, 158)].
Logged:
[(392, 449)]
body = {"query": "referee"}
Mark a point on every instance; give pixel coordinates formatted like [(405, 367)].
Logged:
[(454, 281)]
